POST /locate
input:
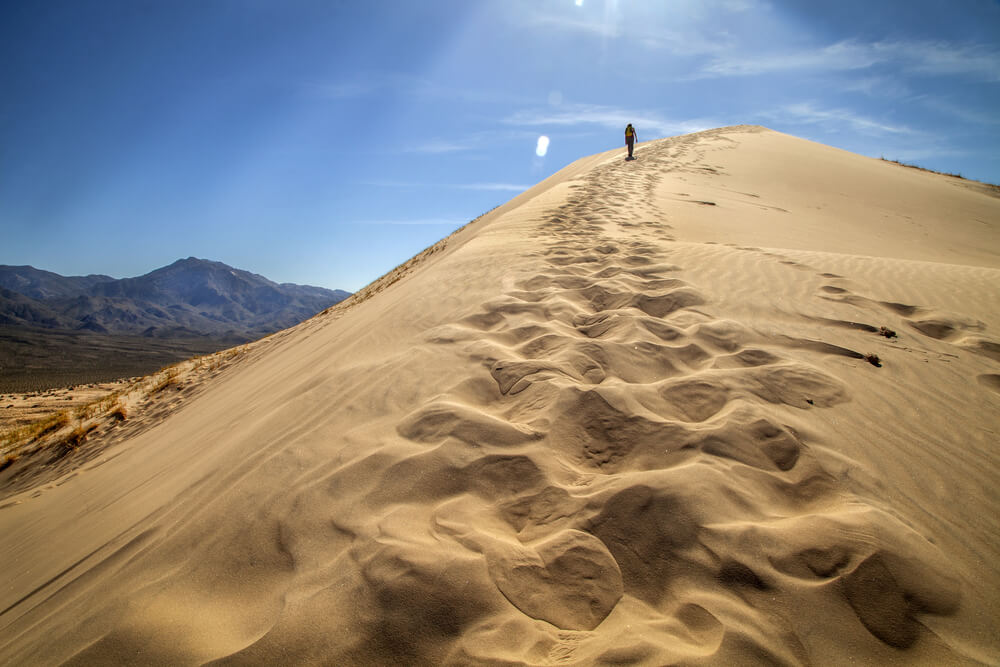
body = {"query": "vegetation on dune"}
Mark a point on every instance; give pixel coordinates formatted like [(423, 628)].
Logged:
[(64, 431), (909, 165)]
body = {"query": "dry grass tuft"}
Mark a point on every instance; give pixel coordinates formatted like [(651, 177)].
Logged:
[(36, 430), (169, 377), (9, 460), (76, 437), (49, 424), (119, 412), (919, 168)]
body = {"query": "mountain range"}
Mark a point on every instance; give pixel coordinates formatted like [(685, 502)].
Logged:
[(191, 297), (57, 330)]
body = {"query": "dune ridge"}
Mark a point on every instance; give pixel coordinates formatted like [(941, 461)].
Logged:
[(614, 421)]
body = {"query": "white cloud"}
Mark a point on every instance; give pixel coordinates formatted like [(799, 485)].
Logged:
[(966, 114), (846, 55), (881, 87), (647, 123), (943, 58), (438, 146), (605, 29), (680, 27), (376, 82), (806, 113), (342, 90), (741, 5), (418, 221), (487, 187), (495, 187), (913, 57), (687, 42)]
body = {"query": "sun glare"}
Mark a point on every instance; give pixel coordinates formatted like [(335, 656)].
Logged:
[(543, 146)]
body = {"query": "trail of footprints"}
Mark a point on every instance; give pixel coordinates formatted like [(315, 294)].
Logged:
[(617, 433)]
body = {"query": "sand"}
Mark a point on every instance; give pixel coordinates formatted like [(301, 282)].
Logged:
[(625, 418)]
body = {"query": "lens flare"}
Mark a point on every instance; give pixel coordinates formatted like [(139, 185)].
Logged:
[(543, 146)]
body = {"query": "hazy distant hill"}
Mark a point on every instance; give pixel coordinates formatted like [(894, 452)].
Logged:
[(191, 297), (38, 284), (57, 330)]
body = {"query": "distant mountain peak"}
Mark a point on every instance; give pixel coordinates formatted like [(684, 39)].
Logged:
[(193, 295)]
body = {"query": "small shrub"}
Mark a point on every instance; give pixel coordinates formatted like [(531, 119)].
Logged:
[(77, 437), (119, 413), (887, 332), (48, 424), (873, 360), (169, 379), (9, 460)]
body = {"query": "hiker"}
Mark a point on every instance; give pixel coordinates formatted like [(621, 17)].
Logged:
[(629, 139)]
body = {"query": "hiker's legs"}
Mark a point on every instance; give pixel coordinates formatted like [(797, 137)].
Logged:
[(630, 145)]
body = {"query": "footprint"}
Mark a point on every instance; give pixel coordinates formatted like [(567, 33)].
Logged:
[(528, 512), (887, 592), (900, 308), (438, 421), (987, 348), (661, 330), (990, 381), (723, 334), (602, 437), (760, 444), (569, 580), (696, 400), (665, 304), (747, 358), (649, 532), (796, 385), (933, 328)]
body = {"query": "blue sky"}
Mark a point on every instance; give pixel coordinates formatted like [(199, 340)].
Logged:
[(324, 142)]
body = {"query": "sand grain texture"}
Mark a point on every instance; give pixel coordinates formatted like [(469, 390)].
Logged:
[(606, 423)]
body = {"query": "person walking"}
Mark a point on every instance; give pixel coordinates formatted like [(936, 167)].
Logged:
[(630, 139)]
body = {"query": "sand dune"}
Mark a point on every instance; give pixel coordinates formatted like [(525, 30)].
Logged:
[(626, 418)]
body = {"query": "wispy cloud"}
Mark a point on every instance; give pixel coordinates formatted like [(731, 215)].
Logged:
[(376, 82), (450, 222), (439, 146), (966, 114), (650, 123), (342, 90), (943, 58), (686, 43), (807, 113), (911, 57), (881, 87), (846, 55), (486, 187), (692, 27), (494, 187), (605, 29)]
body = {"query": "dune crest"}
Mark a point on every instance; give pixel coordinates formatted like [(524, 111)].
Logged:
[(605, 423)]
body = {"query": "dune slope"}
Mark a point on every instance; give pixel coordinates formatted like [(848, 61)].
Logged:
[(626, 417)]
